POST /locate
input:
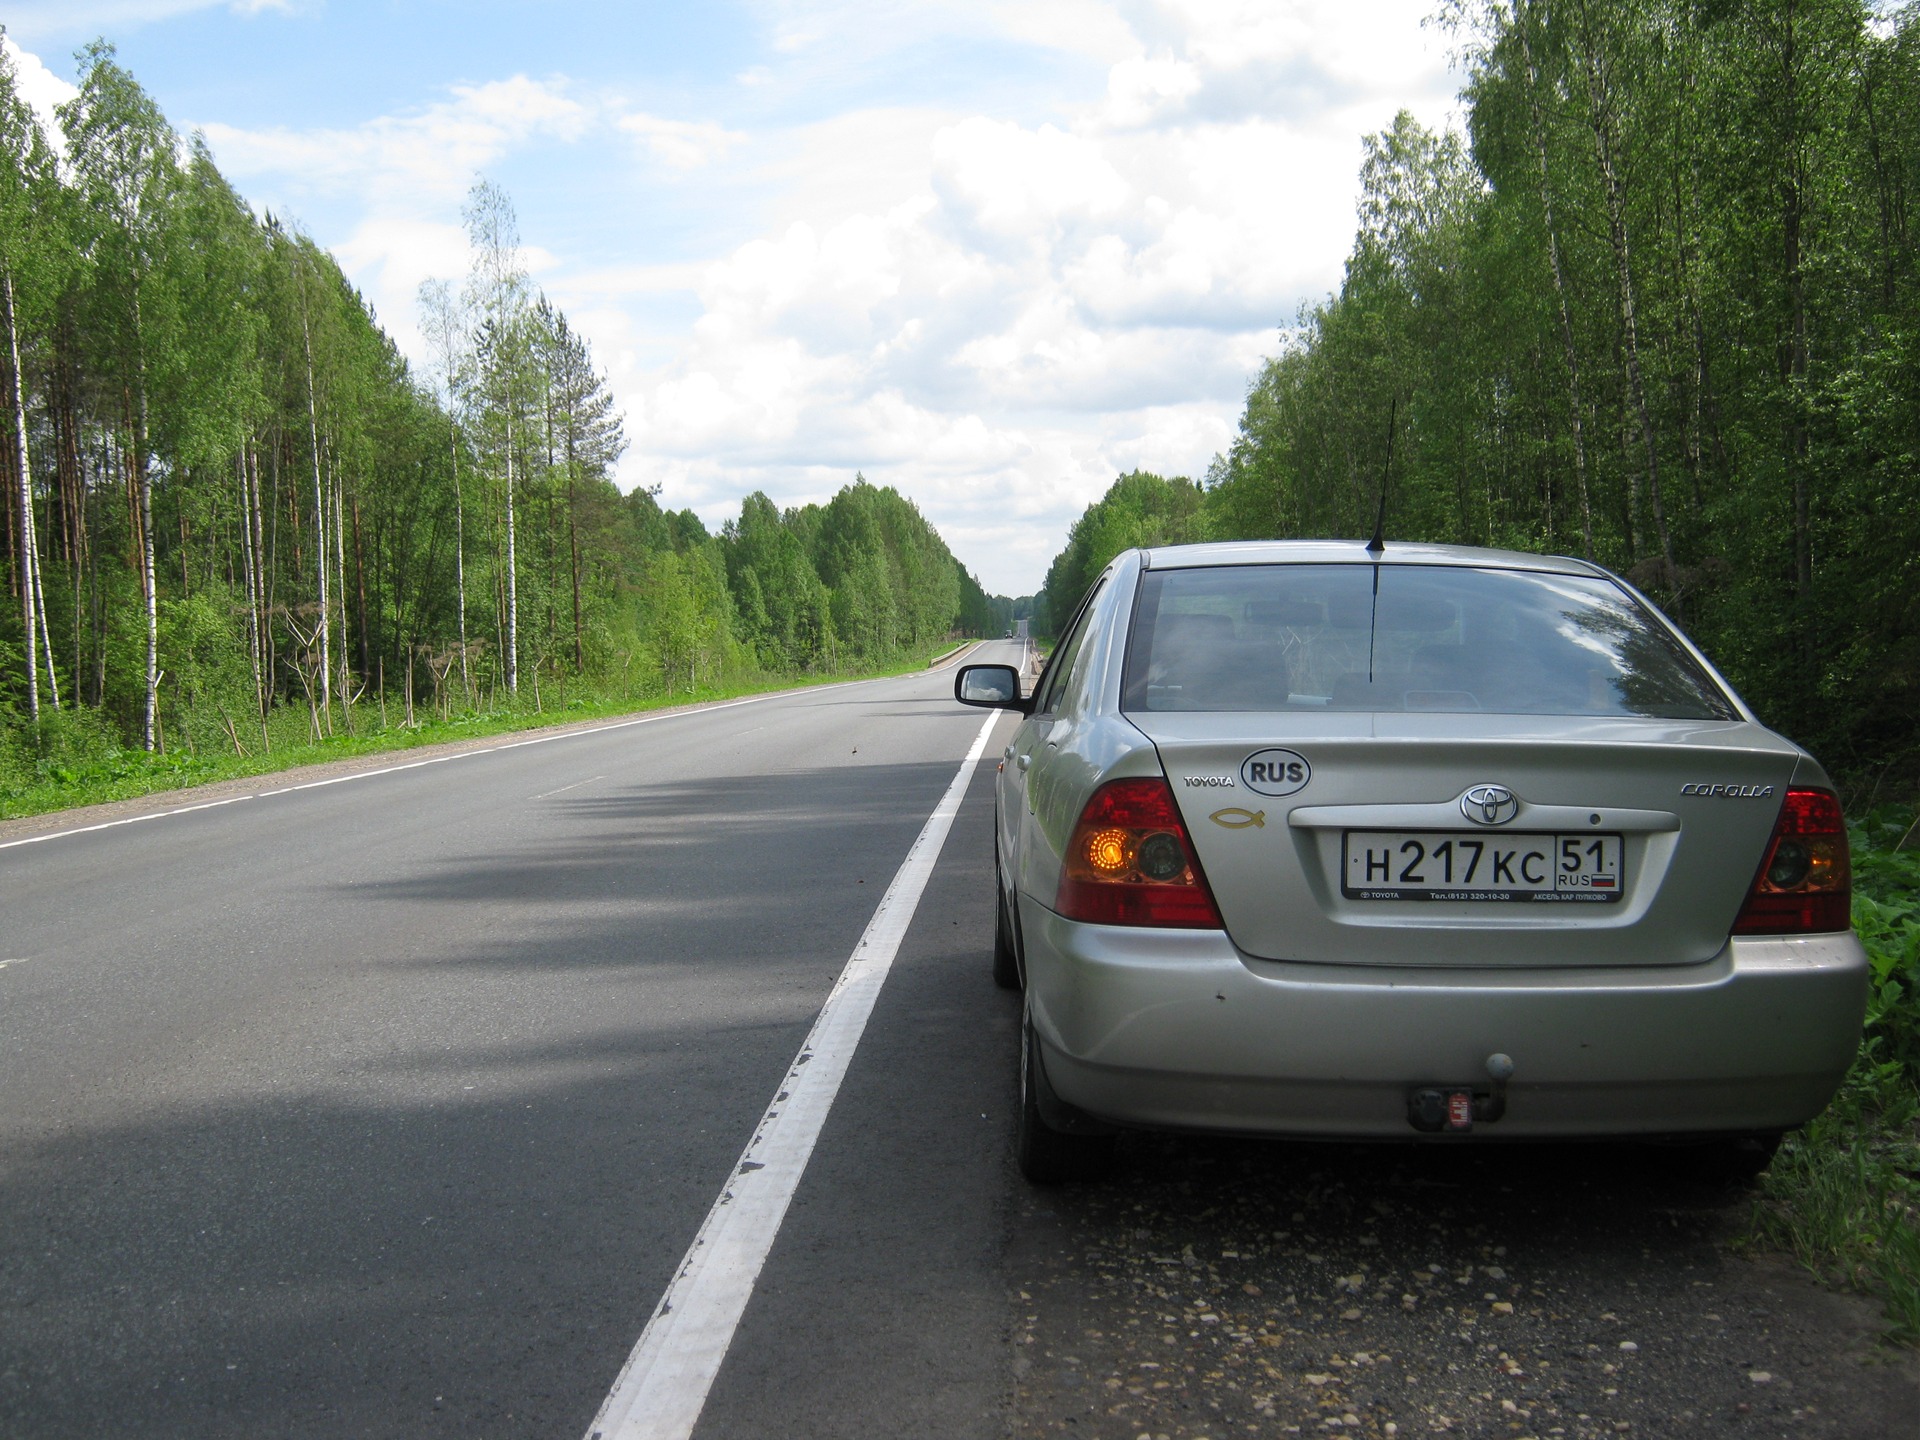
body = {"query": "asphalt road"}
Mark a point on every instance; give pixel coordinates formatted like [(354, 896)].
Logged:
[(388, 1108)]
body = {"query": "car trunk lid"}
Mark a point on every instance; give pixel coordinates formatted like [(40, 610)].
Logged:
[(1351, 838)]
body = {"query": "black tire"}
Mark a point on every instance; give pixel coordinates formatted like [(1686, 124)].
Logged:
[(1735, 1162), (1006, 955), (1048, 1156)]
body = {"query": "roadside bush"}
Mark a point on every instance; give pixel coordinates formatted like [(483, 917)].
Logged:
[(1843, 1195), (209, 684)]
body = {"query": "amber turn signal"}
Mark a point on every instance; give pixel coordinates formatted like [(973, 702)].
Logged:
[(1130, 862), (1805, 882)]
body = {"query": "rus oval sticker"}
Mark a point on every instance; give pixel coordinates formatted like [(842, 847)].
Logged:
[(1275, 772)]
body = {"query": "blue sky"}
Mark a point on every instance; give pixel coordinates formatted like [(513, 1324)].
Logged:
[(992, 254)]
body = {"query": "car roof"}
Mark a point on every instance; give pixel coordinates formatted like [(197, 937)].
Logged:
[(1354, 552)]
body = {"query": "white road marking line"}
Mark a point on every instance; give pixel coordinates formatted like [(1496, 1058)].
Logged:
[(663, 1386), (564, 788), (430, 760), (17, 960)]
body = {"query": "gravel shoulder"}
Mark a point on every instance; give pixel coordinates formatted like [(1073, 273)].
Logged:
[(1220, 1288)]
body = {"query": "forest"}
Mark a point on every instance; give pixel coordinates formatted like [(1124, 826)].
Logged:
[(238, 520), (1658, 306)]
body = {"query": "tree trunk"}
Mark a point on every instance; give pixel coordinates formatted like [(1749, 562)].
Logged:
[(513, 588), (1575, 409), (1794, 360), (71, 488), (459, 545), (33, 585), (28, 552), (1883, 190), (337, 496), (270, 573), (143, 484), (324, 639), (573, 548), (360, 579), (96, 617), (1599, 100), (250, 572)]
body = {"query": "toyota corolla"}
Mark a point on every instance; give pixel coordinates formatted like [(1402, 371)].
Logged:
[(1323, 839)]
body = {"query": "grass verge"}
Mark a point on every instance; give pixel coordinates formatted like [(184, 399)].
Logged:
[(1843, 1195), (74, 760)]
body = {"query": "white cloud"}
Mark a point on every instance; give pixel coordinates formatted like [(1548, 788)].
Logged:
[(1080, 27), (428, 157), (682, 144), (995, 296), (392, 254), (34, 18), (1140, 90), (38, 86), (1001, 182), (1007, 316)]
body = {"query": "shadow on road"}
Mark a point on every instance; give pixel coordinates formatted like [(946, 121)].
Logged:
[(324, 1268), (427, 1166), (722, 872)]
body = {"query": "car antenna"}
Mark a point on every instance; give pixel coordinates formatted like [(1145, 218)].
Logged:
[(1378, 544)]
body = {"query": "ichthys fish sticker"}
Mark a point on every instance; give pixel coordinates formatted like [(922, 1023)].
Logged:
[(1237, 819)]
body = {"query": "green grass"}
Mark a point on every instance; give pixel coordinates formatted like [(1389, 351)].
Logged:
[(1843, 1195), (74, 759)]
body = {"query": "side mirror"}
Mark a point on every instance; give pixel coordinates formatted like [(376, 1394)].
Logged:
[(992, 687)]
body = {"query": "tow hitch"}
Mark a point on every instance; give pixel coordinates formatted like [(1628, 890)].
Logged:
[(1453, 1109)]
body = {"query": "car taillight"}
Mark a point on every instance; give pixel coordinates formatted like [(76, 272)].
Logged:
[(1130, 862), (1805, 884)]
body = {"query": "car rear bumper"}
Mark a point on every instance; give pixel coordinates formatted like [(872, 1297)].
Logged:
[(1178, 1029)]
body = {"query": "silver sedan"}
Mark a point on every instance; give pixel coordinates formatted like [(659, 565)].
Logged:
[(1316, 839)]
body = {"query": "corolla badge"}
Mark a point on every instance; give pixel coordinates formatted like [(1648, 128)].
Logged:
[(1275, 772), (1489, 805)]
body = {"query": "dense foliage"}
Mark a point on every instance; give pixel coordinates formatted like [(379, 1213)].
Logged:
[(233, 508), (1844, 1194), (1659, 306)]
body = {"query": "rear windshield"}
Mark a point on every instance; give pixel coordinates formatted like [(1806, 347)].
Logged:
[(1439, 638)]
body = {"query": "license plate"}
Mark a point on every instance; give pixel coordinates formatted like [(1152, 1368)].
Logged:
[(1444, 865)]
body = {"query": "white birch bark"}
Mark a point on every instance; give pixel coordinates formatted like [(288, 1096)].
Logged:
[(338, 495), (143, 483), (319, 517), (29, 551), (513, 587), (459, 546), (250, 572)]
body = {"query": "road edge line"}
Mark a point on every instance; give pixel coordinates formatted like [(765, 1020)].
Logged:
[(663, 1386)]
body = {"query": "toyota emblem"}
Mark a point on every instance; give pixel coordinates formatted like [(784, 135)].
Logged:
[(1489, 805)]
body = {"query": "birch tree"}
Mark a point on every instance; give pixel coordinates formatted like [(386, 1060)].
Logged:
[(444, 326), (588, 437), (31, 254), (124, 157), (496, 295)]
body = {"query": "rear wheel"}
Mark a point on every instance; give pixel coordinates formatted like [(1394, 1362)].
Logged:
[(1006, 957), (1738, 1161), (1048, 1156)]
